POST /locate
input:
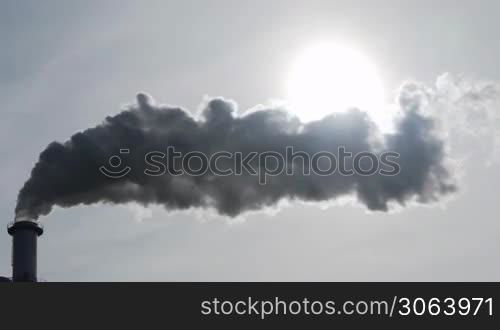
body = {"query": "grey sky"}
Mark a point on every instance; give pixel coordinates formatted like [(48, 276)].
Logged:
[(65, 65)]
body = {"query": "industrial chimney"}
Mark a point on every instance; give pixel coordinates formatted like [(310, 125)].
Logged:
[(24, 245)]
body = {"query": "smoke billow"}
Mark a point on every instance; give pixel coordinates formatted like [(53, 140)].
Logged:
[(67, 174)]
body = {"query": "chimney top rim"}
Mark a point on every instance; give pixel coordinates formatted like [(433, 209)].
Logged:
[(25, 224)]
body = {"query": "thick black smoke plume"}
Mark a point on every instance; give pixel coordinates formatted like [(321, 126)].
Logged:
[(67, 174)]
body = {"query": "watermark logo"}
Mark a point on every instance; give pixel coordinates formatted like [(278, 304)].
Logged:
[(115, 162), (263, 164)]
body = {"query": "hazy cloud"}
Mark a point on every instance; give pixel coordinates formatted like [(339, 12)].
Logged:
[(67, 174)]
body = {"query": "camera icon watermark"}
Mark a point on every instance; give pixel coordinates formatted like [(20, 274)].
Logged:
[(115, 162)]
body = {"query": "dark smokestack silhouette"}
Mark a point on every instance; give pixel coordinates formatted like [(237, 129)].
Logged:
[(24, 250), (67, 174)]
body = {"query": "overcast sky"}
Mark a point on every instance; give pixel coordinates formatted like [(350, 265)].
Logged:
[(64, 66)]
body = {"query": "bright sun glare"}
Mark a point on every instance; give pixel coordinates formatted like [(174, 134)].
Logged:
[(328, 78)]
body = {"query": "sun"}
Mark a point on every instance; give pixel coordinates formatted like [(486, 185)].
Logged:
[(328, 78)]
